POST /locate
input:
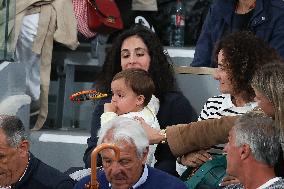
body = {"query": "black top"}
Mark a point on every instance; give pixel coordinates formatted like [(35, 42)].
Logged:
[(241, 21), (42, 176)]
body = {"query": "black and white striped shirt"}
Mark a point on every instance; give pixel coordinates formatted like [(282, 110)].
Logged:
[(222, 105)]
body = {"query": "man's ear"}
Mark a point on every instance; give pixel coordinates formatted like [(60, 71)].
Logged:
[(144, 155), (245, 151), (24, 147), (140, 100)]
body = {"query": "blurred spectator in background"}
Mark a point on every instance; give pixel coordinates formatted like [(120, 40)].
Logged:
[(37, 25), (265, 18)]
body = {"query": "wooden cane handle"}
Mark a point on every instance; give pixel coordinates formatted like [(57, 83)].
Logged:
[(94, 183)]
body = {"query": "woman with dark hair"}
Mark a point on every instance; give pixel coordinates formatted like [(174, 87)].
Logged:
[(139, 47), (238, 56)]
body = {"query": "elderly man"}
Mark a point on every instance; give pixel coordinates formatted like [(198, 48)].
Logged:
[(252, 151), (130, 170), (19, 169)]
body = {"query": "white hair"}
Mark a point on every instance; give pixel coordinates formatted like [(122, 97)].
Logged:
[(126, 130)]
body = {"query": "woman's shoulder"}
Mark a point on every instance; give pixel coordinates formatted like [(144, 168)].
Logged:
[(219, 101), (219, 98), (172, 94), (175, 101)]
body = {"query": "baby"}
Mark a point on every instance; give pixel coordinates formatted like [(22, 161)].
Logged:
[(132, 96)]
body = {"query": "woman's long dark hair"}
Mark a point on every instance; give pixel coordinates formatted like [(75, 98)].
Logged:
[(160, 69)]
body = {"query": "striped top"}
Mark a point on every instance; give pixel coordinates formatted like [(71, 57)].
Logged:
[(222, 105)]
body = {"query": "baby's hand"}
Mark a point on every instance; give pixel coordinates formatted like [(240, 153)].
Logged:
[(109, 107)]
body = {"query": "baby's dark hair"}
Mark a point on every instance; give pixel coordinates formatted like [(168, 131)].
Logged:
[(139, 81)]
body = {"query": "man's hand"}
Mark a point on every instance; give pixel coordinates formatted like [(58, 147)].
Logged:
[(195, 159), (109, 107), (153, 134), (227, 180)]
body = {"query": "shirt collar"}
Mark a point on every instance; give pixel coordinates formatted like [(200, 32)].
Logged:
[(268, 183), (142, 179)]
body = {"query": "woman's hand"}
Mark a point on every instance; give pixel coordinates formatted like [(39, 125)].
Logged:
[(153, 134), (227, 180), (195, 159), (109, 107)]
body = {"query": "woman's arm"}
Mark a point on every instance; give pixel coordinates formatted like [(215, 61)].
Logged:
[(185, 138)]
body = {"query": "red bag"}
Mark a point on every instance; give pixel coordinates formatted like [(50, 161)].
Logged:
[(103, 16)]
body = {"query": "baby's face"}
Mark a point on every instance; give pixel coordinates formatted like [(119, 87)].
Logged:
[(124, 98)]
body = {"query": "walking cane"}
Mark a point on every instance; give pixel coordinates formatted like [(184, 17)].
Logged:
[(94, 184)]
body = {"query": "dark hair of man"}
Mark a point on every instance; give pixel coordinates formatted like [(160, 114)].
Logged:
[(139, 81), (160, 70), (13, 128), (244, 53)]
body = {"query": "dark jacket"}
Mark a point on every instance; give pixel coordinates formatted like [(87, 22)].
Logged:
[(267, 22), (42, 176), (155, 179), (174, 109)]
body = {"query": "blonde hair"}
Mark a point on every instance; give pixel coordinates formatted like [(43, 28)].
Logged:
[(269, 80)]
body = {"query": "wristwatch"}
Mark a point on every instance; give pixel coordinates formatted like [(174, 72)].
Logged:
[(163, 133)]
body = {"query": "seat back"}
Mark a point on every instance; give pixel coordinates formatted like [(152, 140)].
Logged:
[(197, 84)]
